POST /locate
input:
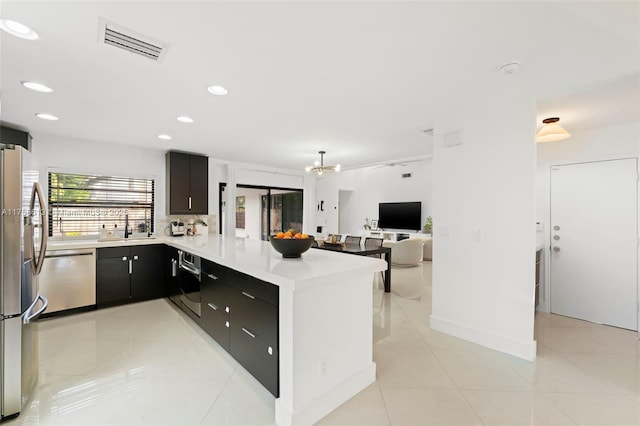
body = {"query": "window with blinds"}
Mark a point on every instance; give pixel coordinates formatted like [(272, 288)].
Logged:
[(80, 204)]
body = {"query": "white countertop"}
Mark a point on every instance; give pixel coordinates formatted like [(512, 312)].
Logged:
[(253, 257)]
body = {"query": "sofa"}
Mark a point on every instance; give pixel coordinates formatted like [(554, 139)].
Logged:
[(427, 250), (407, 252)]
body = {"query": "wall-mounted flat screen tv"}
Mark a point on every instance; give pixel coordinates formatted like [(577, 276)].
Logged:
[(400, 215)]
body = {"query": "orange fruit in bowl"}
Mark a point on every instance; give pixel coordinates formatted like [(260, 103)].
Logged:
[(280, 235)]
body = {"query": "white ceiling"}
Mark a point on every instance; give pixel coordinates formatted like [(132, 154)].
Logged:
[(360, 80)]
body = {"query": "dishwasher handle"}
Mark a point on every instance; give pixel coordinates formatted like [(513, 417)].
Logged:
[(67, 253)]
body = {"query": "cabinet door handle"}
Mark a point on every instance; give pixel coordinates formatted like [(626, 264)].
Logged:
[(135, 257), (130, 266), (226, 324), (124, 258), (253, 336), (189, 203), (226, 309), (212, 306), (270, 350), (174, 268), (248, 295), (213, 277)]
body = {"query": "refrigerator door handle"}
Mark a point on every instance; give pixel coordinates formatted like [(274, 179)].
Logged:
[(44, 226), (29, 315)]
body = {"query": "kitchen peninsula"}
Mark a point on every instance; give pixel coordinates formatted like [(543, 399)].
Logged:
[(324, 311)]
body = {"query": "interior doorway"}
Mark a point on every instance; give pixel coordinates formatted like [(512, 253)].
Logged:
[(594, 242), (262, 211)]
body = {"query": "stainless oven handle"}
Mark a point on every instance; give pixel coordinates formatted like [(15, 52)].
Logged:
[(191, 269)]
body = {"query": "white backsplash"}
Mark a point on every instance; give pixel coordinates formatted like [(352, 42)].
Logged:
[(162, 224)]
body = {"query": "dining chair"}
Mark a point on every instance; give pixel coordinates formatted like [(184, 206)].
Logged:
[(352, 240), (371, 244)]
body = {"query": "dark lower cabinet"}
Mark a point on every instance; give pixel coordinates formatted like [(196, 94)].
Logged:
[(171, 274), (129, 274), (241, 313), (214, 293), (258, 357)]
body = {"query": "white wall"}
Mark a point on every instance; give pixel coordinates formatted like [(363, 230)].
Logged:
[(56, 153), (80, 156), (352, 196), (602, 143), (484, 218)]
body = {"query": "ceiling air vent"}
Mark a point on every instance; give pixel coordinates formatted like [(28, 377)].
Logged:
[(406, 175), (118, 36)]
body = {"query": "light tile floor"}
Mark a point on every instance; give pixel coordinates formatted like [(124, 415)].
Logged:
[(148, 364)]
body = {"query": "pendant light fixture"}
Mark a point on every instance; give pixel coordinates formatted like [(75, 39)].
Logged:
[(551, 131), (319, 166)]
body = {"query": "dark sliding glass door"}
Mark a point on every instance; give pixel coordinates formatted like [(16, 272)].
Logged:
[(280, 209)]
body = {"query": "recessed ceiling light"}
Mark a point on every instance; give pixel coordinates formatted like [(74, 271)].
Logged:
[(165, 137), (46, 116), (17, 29), (38, 87), (185, 119), (217, 90)]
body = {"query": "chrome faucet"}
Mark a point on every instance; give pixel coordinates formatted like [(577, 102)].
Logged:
[(126, 225)]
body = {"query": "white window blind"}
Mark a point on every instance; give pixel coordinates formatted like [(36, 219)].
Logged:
[(80, 204)]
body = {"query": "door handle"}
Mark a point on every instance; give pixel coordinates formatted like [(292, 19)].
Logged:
[(253, 336), (130, 266), (212, 306), (248, 295), (44, 225), (135, 257), (29, 315), (189, 203), (556, 249)]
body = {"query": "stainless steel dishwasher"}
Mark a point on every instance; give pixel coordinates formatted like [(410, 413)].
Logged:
[(68, 279)]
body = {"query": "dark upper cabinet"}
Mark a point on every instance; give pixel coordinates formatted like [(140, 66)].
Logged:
[(11, 136), (187, 183)]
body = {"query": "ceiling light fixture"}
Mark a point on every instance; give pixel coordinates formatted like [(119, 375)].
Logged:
[(17, 29), (164, 137), (217, 90), (38, 87), (319, 166), (184, 119), (46, 116), (551, 131)]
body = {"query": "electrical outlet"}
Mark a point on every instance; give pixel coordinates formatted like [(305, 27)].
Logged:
[(323, 367)]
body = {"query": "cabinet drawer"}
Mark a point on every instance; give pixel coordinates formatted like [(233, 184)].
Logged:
[(258, 317), (216, 323), (111, 252), (211, 268), (259, 358), (147, 250), (255, 287)]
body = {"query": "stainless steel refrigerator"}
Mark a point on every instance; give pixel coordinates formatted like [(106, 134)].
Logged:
[(23, 242)]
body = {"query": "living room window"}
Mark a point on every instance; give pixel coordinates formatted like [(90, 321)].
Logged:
[(79, 205)]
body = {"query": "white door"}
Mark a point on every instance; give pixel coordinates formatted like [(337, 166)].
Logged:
[(594, 242)]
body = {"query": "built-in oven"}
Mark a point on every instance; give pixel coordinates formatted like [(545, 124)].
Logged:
[(190, 278)]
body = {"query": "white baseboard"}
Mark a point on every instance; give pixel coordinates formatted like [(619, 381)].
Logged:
[(522, 349), (328, 401)]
